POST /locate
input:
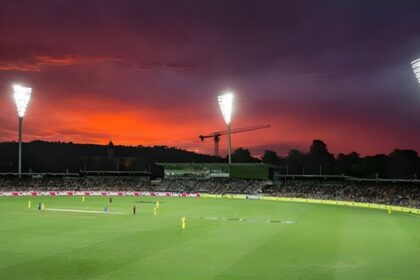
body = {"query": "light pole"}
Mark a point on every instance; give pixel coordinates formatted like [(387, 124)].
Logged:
[(416, 68), (21, 95), (226, 106)]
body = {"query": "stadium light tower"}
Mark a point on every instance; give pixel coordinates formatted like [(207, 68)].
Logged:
[(21, 95), (416, 68), (226, 106)]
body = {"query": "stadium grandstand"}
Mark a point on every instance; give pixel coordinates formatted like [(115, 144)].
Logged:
[(249, 179)]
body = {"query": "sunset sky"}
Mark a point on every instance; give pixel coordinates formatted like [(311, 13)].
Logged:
[(149, 72)]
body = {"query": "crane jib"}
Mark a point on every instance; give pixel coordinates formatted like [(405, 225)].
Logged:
[(216, 135)]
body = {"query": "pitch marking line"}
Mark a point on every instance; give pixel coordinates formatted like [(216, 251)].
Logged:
[(81, 211), (249, 220)]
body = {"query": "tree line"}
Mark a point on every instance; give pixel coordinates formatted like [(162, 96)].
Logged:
[(401, 164), (42, 156)]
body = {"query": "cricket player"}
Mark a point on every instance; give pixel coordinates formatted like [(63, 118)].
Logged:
[(134, 209), (29, 204), (157, 204), (183, 222)]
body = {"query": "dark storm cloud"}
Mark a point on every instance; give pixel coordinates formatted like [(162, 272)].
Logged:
[(310, 68)]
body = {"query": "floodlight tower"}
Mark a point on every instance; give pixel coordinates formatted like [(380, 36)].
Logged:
[(416, 68), (21, 95), (226, 106)]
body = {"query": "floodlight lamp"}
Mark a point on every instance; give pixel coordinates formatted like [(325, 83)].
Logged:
[(21, 95), (226, 106), (416, 68)]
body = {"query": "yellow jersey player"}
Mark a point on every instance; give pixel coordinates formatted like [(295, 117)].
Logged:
[(183, 222)]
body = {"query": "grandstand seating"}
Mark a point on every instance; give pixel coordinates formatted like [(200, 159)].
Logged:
[(398, 194)]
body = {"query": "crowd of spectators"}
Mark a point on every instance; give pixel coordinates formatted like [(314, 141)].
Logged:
[(399, 194), (215, 185), (87, 183)]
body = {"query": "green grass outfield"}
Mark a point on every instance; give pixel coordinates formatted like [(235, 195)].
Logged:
[(325, 242)]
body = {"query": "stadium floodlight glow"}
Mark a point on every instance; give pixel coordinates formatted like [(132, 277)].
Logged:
[(226, 106), (21, 95), (416, 68)]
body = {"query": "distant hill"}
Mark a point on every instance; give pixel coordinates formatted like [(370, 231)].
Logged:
[(41, 156)]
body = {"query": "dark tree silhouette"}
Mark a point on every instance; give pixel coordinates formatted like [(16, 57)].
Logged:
[(402, 164), (242, 155), (319, 159), (271, 157), (295, 162), (345, 164)]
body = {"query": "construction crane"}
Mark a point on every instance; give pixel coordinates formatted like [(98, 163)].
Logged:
[(216, 135)]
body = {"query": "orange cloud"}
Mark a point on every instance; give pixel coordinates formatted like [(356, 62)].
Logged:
[(40, 62)]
